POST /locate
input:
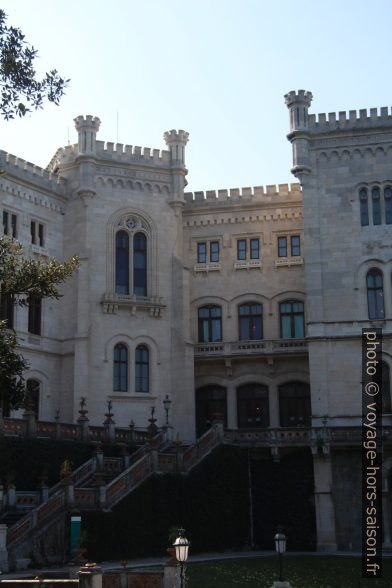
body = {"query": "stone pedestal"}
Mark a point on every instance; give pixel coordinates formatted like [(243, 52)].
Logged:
[(171, 575), (31, 423), (90, 576)]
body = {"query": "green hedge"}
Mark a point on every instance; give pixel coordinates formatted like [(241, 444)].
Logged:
[(212, 503)]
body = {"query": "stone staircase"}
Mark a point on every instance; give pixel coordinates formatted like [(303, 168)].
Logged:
[(99, 484)]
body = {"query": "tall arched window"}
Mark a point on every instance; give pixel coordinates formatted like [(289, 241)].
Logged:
[(250, 318), (292, 323), (386, 388), (142, 369), (252, 406), (363, 203), (294, 404), (140, 264), (120, 368), (32, 396), (375, 294), (388, 205), (376, 204), (122, 262), (210, 324)]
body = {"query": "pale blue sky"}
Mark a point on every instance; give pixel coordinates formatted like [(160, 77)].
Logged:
[(216, 68)]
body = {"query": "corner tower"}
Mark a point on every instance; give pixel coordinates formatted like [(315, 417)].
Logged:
[(298, 104)]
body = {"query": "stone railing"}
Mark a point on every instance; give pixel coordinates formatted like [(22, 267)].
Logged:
[(28, 426), (259, 347), (300, 436)]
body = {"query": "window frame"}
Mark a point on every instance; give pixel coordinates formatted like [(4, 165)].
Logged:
[(120, 379), (135, 276), (292, 314), (200, 253), (211, 322), (251, 318), (294, 399), (37, 233), (139, 364), (10, 223), (294, 247), (374, 291), (282, 246), (35, 316)]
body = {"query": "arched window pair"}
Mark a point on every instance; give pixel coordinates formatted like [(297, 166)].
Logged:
[(376, 206), (121, 369), (250, 321), (131, 262), (375, 294)]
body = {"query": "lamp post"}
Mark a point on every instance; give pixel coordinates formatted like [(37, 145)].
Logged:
[(181, 545), (166, 406), (280, 546)]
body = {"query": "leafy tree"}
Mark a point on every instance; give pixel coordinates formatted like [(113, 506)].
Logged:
[(23, 280), (20, 91)]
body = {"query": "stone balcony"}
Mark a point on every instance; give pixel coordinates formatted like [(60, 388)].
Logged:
[(261, 347)]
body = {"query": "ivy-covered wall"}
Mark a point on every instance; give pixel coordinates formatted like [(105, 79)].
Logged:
[(212, 503)]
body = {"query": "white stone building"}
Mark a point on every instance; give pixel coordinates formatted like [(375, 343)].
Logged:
[(248, 303)]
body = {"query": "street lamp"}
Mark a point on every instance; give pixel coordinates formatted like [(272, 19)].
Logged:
[(181, 545), (280, 546), (166, 406)]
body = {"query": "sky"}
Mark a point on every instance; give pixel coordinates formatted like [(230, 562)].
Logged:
[(217, 68)]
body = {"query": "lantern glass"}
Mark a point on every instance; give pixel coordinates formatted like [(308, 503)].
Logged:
[(167, 402), (181, 545), (280, 542)]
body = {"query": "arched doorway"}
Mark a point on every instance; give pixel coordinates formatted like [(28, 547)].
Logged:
[(32, 396), (210, 402), (252, 406)]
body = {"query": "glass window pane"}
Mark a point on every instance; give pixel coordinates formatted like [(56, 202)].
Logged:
[(376, 206), (214, 251), (201, 253), (364, 209), (298, 326), (282, 246), (295, 245), (215, 311), (254, 249), (286, 327), (216, 330), (241, 249), (122, 263), (140, 264), (388, 205)]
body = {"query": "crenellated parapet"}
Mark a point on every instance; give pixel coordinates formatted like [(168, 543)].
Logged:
[(243, 196), (28, 173), (353, 119)]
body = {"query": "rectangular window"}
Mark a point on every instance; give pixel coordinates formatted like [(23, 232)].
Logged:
[(35, 308), (32, 230), (10, 224), (201, 252), (214, 251), (37, 233), (282, 246), (295, 245), (255, 249), (241, 249)]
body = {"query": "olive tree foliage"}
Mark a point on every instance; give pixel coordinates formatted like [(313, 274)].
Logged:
[(21, 281), (20, 90)]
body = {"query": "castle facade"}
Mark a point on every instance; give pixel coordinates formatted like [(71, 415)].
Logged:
[(242, 304)]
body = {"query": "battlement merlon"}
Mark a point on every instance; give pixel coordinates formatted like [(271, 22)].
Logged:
[(176, 141), (258, 195), (87, 128)]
